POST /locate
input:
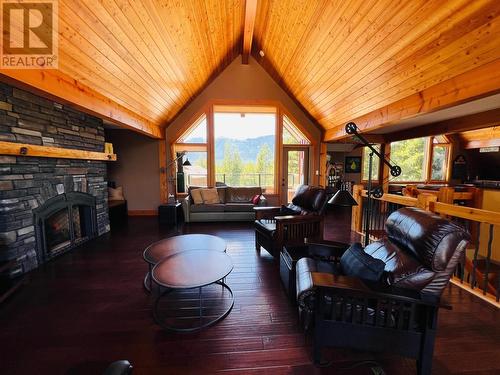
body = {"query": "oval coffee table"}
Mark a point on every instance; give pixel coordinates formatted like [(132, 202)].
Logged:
[(173, 245), (192, 269)]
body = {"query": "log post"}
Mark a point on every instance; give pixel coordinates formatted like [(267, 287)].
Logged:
[(424, 201), (357, 211), (445, 195)]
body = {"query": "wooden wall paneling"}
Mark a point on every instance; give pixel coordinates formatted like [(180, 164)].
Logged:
[(107, 64), (249, 26), (349, 33), (127, 46), (323, 151), (428, 73), (150, 57), (476, 83), (279, 162), (162, 162), (397, 55), (60, 87), (273, 26), (344, 60), (486, 137), (358, 46), (118, 94), (454, 125), (210, 147)]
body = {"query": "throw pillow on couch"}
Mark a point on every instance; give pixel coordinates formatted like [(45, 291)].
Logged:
[(196, 195), (210, 196)]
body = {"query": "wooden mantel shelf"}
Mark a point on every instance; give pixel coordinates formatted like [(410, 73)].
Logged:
[(24, 149)]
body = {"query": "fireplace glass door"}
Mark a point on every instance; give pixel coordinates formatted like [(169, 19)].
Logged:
[(57, 231)]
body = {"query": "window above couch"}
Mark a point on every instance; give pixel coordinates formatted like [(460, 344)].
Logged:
[(239, 145)]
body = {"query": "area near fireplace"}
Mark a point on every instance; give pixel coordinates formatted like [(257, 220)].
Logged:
[(48, 206)]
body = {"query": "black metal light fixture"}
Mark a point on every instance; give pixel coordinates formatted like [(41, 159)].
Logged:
[(343, 198), (186, 163), (377, 192)]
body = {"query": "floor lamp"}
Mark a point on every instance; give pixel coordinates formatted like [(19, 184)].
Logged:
[(395, 171), (174, 180)]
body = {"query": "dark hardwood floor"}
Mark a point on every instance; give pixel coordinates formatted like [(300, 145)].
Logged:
[(88, 308)]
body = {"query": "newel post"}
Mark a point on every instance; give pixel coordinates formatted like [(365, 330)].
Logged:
[(424, 201), (357, 211), (445, 195)]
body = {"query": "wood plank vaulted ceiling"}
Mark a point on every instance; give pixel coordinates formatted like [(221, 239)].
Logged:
[(341, 60)]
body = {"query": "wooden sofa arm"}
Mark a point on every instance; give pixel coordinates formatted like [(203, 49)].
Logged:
[(298, 218), (266, 212), (355, 287)]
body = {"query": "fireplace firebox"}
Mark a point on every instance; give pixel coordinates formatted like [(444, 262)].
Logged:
[(64, 222)]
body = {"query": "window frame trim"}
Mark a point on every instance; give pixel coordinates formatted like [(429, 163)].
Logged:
[(429, 152), (208, 110)]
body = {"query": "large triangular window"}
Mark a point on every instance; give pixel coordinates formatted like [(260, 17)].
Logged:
[(291, 133), (196, 133)]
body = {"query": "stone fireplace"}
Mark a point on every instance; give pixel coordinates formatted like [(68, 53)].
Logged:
[(48, 206), (64, 222)]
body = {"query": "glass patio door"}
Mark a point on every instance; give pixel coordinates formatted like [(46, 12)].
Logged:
[(295, 171)]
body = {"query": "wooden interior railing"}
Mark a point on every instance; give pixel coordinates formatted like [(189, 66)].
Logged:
[(479, 271)]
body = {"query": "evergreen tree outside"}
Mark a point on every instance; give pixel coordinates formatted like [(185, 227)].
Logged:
[(231, 166), (265, 166), (438, 163), (410, 156)]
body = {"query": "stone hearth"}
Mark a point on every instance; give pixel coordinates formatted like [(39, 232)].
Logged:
[(26, 183)]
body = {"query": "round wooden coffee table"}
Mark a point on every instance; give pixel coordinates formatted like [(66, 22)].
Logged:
[(173, 245), (193, 269)]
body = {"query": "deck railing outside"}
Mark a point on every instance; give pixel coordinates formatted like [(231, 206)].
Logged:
[(479, 271), (264, 180)]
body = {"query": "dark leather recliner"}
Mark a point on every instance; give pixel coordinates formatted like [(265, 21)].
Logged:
[(303, 218), (398, 313)]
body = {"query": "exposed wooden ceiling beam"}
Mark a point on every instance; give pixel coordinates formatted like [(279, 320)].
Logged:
[(60, 87), (248, 28), (487, 137), (476, 83), (454, 125), (372, 138), (482, 143)]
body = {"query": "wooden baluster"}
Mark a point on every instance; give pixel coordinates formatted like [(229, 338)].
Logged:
[(424, 201), (357, 211), (364, 311), (488, 260), (497, 295), (474, 258), (445, 195)]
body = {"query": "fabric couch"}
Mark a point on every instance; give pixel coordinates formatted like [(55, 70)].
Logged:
[(235, 204)]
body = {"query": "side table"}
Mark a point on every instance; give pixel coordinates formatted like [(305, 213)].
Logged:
[(170, 213)]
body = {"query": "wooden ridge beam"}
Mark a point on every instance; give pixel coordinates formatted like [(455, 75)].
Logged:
[(248, 29), (24, 149), (474, 84), (454, 125), (60, 87)]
